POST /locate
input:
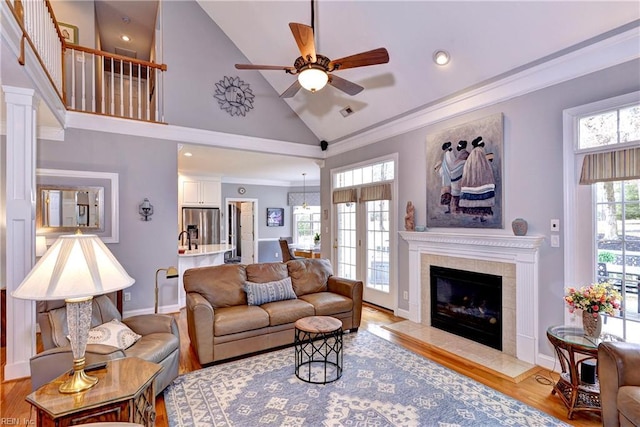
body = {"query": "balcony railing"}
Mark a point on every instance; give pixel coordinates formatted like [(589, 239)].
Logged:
[(86, 79), (113, 85)]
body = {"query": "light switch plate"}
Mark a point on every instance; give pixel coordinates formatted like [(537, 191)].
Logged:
[(555, 241), (555, 225)]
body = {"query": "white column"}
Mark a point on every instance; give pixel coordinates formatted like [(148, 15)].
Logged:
[(20, 222)]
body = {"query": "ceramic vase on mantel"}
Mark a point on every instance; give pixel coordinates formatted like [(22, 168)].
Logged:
[(519, 227), (592, 325)]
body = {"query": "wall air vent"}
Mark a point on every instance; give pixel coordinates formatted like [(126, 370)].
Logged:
[(347, 111)]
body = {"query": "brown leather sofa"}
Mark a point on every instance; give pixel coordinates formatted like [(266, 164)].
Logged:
[(160, 342), (619, 376), (222, 324)]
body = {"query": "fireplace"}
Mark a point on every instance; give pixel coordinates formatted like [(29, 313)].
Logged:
[(468, 304), (515, 258)]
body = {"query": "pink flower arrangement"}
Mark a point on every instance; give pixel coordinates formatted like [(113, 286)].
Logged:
[(596, 298)]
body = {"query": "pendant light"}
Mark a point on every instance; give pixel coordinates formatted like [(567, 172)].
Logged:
[(304, 190)]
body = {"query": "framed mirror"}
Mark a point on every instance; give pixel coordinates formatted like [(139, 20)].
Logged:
[(68, 200)]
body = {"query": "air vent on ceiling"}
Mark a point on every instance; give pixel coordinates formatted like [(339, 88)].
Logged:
[(126, 52), (347, 111)]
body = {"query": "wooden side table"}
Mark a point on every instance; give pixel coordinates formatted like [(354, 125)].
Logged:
[(573, 348), (124, 393)]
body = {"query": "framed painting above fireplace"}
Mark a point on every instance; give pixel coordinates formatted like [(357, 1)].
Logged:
[(464, 175)]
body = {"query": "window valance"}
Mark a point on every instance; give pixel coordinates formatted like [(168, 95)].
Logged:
[(375, 192), (611, 166), (349, 195), (297, 199)]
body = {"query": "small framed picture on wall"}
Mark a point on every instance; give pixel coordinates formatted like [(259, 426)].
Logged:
[(69, 33), (275, 217)]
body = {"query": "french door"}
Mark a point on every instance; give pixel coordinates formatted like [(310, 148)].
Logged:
[(362, 248)]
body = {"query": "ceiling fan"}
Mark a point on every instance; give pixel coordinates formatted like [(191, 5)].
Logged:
[(314, 71)]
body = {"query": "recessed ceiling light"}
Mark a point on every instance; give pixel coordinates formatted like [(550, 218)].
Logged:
[(441, 57), (125, 38), (188, 154)]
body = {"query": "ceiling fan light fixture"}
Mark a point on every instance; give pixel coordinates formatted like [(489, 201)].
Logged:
[(313, 79), (441, 57)]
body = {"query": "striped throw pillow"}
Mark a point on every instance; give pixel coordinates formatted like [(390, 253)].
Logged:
[(262, 293)]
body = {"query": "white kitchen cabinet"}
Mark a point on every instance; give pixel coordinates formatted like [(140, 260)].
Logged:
[(200, 192)]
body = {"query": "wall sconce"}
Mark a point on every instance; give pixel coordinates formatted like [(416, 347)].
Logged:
[(145, 210)]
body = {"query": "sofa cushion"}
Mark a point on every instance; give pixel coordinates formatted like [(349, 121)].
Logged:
[(328, 303), (266, 272), (154, 347), (113, 333), (283, 312), (629, 403), (221, 285), (231, 320), (262, 293), (309, 276)]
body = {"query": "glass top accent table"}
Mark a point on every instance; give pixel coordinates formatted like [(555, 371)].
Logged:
[(573, 348)]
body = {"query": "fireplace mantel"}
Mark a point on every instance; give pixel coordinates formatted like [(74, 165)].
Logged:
[(487, 246)]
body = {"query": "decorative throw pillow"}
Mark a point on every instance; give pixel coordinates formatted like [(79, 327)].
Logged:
[(114, 333), (262, 293)]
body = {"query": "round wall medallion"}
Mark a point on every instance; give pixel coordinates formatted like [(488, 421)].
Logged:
[(234, 96), (242, 190)]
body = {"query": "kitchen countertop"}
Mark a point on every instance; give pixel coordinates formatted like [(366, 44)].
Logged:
[(207, 250)]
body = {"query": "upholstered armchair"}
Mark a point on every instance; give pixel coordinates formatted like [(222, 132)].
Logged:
[(619, 376), (159, 341)]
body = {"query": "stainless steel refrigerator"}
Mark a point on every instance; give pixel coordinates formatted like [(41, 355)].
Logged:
[(202, 224)]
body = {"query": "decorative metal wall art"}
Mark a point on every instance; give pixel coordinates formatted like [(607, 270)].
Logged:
[(464, 175), (234, 96)]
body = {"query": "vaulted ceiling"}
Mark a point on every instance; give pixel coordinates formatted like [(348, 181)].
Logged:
[(487, 41)]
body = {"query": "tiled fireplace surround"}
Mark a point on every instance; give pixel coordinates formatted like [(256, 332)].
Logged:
[(515, 258)]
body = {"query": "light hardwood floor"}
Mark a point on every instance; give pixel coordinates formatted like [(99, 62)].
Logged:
[(534, 390)]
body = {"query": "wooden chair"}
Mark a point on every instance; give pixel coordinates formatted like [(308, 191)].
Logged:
[(287, 255)]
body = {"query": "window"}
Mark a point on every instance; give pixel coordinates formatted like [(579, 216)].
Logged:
[(306, 224), (604, 143)]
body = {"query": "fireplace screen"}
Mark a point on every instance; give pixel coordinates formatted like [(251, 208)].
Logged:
[(467, 304)]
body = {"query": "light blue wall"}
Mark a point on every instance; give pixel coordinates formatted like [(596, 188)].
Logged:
[(533, 171), (146, 168), (199, 55)]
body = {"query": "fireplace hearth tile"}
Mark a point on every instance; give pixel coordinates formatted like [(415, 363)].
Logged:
[(487, 358)]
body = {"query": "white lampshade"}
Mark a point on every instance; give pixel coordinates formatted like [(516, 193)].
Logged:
[(313, 79), (41, 245), (75, 266)]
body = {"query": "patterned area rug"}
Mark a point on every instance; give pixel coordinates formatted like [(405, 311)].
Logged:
[(382, 385)]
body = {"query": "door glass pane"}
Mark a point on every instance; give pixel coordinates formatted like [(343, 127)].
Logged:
[(347, 240), (378, 245), (618, 251)]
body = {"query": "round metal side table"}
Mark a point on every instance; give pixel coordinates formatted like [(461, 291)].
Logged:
[(318, 348)]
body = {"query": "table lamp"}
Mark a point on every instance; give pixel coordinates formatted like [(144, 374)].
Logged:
[(75, 268), (171, 273)]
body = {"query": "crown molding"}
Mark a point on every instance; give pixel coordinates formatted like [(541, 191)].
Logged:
[(614, 50)]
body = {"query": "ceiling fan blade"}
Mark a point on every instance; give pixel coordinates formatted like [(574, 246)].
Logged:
[(345, 85), (291, 90), (263, 67), (304, 39), (371, 57)]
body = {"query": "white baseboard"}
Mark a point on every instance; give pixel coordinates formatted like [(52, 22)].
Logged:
[(175, 308), (548, 362), (398, 312)]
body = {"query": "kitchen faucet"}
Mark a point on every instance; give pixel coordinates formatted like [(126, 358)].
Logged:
[(188, 237)]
